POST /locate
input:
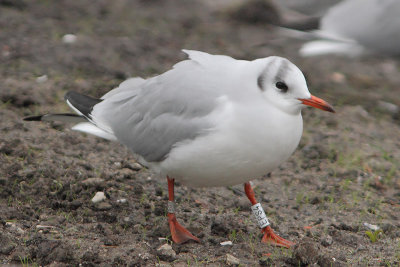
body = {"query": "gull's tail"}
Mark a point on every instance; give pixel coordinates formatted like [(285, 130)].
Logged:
[(323, 43), (83, 106)]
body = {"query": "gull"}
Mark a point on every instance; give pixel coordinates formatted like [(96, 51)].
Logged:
[(354, 28), (209, 121)]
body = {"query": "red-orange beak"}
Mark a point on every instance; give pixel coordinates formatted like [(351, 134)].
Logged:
[(317, 103)]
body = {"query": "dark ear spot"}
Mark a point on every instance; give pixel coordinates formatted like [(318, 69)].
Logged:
[(260, 82), (282, 86)]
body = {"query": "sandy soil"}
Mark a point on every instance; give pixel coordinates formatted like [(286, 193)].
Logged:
[(344, 174)]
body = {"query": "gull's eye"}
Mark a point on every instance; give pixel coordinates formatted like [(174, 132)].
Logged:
[(282, 86)]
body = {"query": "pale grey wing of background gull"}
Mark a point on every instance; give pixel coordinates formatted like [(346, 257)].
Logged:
[(302, 15), (152, 116), (370, 26), (307, 7)]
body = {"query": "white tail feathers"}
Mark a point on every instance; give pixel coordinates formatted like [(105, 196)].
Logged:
[(87, 127), (322, 47)]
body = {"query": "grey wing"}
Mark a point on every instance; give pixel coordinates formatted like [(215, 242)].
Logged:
[(160, 113), (368, 22)]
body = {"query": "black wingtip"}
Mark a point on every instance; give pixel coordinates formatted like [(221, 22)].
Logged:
[(83, 103), (33, 118)]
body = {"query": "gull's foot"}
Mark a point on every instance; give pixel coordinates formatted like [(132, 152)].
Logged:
[(274, 239), (178, 232)]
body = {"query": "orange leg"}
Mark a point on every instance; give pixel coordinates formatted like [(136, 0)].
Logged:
[(178, 232), (269, 235)]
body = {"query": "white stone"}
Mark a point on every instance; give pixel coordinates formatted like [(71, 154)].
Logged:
[(231, 260), (118, 164), (145, 256), (122, 200), (42, 79), (69, 38), (371, 226), (98, 197), (226, 243)]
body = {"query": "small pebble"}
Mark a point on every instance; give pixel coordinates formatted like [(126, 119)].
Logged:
[(371, 226), (231, 260), (226, 243), (93, 182), (133, 166), (98, 197), (145, 256), (118, 164), (41, 79), (388, 107), (166, 253), (103, 206), (306, 252), (122, 200), (129, 219), (327, 241), (136, 166), (69, 38)]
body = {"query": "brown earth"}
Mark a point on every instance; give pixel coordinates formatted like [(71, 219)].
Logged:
[(345, 172)]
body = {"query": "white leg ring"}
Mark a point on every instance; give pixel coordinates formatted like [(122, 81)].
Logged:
[(260, 216)]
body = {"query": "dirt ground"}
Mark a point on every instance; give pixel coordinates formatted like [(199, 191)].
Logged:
[(338, 196)]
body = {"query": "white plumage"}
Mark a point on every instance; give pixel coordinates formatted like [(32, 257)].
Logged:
[(210, 121)]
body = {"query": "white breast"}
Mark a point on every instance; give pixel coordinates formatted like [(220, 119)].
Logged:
[(249, 142)]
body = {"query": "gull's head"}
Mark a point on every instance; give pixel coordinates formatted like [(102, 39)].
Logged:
[(284, 86)]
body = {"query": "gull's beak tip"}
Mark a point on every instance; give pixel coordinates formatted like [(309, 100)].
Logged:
[(316, 102)]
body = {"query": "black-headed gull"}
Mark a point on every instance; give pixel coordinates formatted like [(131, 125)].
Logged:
[(210, 121), (356, 27)]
